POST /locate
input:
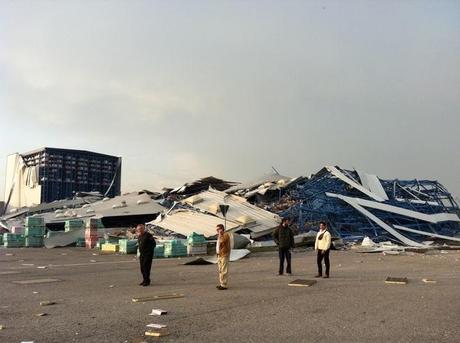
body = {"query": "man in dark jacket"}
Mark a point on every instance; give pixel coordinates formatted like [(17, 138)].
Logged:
[(146, 244), (284, 239)]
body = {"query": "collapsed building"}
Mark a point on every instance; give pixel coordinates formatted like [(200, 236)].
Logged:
[(356, 204)]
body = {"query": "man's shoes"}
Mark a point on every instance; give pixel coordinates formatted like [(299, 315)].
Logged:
[(326, 277), (142, 283), (318, 275), (280, 274), (220, 288)]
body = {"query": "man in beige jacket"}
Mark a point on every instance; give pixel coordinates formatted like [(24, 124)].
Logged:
[(323, 246), (223, 248)]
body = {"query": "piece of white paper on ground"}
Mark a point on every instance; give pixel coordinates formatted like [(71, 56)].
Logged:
[(156, 326), (157, 312)]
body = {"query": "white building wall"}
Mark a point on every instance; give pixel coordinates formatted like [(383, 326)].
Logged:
[(26, 190)]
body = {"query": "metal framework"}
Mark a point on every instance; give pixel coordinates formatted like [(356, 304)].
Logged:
[(345, 221)]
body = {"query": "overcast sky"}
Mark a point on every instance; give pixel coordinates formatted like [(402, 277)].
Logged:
[(188, 89)]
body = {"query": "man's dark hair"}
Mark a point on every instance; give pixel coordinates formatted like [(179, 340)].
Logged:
[(220, 226), (324, 223), (285, 219)]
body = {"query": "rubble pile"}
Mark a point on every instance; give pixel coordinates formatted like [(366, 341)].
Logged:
[(356, 204)]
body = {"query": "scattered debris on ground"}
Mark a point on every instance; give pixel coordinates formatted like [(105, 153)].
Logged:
[(47, 303), (302, 283), (396, 280), (157, 297), (158, 312)]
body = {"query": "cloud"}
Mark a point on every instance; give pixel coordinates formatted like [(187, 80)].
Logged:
[(232, 88)]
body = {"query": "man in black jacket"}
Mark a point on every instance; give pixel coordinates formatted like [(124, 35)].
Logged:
[(146, 244), (284, 239)]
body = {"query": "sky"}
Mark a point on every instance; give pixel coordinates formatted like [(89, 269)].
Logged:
[(187, 89)]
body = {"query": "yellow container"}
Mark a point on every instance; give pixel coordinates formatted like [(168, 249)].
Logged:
[(109, 247)]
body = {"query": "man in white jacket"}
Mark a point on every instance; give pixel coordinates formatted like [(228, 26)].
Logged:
[(322, 246)]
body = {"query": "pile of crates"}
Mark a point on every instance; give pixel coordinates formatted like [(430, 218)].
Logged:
[(127, 246), (159, 251), (74, 224), (13, 240), (196, 244), (175, 248), (93, 226), (34, 232), (18, 230)]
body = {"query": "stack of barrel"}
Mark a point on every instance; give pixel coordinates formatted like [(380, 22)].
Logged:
[(91, 232)]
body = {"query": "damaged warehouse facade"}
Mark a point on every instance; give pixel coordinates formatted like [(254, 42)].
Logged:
[(356, 204), (48, 174)]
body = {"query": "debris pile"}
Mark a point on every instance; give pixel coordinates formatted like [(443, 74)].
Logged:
[(199, 186), (265, 189), (356, 204)]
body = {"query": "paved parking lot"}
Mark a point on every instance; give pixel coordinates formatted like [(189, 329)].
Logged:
[(93, 299)]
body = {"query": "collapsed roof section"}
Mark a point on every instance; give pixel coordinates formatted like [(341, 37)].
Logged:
[(261, 184), (201, 185), (356, 204), (124, 210), (241, 215), (186, 221), (79, 200)]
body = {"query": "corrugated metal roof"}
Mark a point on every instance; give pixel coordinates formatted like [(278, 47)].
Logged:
[(264, 223), (124, 205), (185, 222)]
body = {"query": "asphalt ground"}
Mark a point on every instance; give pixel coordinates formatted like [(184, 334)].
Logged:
[(94, 299)]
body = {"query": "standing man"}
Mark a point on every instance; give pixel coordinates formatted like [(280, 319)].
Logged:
[(223, 255), (284, 239), (146, 244), (323, 246)]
